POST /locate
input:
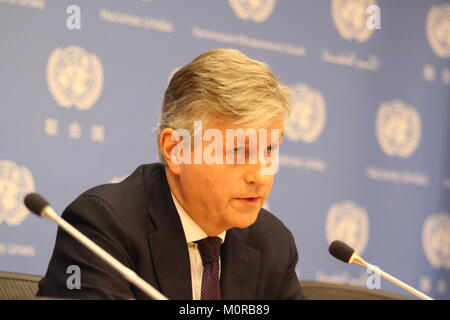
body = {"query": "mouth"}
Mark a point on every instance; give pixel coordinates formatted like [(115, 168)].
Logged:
[(249, 200)]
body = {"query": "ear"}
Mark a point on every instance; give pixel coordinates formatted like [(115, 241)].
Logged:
[(167, 144)]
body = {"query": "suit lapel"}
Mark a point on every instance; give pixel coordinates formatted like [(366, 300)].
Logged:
[(240, 267), (167, 242), (171, 262)]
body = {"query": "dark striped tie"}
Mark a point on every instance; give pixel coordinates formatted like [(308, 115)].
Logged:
[(210, 251)]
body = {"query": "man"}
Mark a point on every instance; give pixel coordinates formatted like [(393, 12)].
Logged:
[(193, 226)]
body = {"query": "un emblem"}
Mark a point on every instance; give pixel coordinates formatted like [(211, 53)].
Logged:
[(350, 18), (308, 113), (438, 29), (256, 10), (398, 128), (74, 77), (436, 240), (348, 222), (15, 183)]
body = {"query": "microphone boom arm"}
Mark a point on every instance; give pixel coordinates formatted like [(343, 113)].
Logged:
[(356, 259)]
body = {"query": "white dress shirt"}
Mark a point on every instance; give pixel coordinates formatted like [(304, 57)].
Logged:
[(193, 232)]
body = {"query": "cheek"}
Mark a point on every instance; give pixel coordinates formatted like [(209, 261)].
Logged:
[(207, 184), (216, 176), (220, 193)]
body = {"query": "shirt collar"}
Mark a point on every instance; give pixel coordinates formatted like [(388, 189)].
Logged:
[(192, 230)]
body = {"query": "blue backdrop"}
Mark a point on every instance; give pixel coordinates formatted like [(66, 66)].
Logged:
[(367, 154)]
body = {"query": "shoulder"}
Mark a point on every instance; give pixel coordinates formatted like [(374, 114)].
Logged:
[(130, 192), (269, 232), (125, 202), (267, 222), (132, 186)]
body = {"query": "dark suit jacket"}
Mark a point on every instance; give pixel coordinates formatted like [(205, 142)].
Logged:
[(136, 221)]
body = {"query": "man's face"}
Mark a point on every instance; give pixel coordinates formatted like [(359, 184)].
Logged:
[(222, 196)]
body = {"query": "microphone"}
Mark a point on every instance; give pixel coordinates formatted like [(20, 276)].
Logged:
[(38, 205), (347, 254)]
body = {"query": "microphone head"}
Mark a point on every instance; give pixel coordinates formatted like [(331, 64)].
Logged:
[(341, 251), (35, 203)]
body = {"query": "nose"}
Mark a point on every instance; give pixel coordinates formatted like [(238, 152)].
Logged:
[(255, 174)]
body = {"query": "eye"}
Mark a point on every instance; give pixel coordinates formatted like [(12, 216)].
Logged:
[(236, 150), (272, 148)]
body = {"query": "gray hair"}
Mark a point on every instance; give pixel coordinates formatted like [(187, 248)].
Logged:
[(224, 84)]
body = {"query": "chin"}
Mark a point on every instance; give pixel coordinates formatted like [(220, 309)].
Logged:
[(246, 222)]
